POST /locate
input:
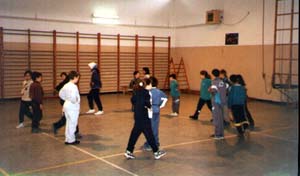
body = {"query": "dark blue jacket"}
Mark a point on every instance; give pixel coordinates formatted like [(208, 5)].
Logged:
[(95, 79), (237, 95), (141, 101)]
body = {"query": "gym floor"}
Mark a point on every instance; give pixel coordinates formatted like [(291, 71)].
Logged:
[(270, 150)]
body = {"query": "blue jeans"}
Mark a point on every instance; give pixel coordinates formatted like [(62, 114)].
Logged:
[(154, 125)]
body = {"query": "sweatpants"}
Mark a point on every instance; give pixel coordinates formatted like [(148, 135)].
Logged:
[(154, 125), (175, 104), (72, 121), (37, 115), (218, 119), (94, 96), (25, 110), (201, 103), (136, 132), (238, 113), (226, 114), (62, 122)]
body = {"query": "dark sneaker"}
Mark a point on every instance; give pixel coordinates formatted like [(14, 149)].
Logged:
[(72, 143), (78, 136), (54, 129), (36, 130), (251, 127), (129, 155), (159, 154), (193, 118)]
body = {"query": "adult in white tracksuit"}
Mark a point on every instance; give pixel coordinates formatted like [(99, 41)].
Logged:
[(70, 94)]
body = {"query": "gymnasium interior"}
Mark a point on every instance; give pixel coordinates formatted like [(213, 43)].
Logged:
[(255, 38)]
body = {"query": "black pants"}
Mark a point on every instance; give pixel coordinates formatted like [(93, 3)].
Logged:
[(249, 116), (238, 113), (25, 110), (62, 122), (136, 132), (94, 96), (37, 115), (200, 104)]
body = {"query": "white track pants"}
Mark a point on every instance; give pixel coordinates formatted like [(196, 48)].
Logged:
[(72, 121)]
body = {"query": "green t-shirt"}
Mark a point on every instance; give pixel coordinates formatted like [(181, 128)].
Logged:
[(204, 93), (174, 89)]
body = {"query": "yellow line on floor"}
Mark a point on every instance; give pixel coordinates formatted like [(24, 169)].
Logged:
[(96, 157), (55, 167), (2, 171)]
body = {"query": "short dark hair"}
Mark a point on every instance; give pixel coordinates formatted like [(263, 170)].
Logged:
[(36, 75), (28, 72), (63, 73), (205, 74), (135, 72), (172, 76), (154, 81), (224, 72), (233, 78), (73, 74), (147, 81), (146, 69), (215, 72)]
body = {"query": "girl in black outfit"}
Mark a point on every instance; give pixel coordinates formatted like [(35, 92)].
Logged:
[(142, 123), (248, 114)]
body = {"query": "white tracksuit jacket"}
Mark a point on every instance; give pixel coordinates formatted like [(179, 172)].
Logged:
[(70, 94)]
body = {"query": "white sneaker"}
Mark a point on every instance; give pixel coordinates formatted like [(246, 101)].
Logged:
[(174, 114), (21, 125), (99, 113), (91, 111)]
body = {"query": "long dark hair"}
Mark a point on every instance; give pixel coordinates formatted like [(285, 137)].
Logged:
[(240, 80), (205, 74)]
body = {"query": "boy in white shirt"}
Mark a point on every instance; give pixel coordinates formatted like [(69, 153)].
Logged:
[(70, 94)]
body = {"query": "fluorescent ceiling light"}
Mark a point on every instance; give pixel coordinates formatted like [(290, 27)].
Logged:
[(105, 21), (105, 14)]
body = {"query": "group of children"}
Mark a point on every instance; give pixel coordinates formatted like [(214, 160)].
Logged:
[(223, 95)]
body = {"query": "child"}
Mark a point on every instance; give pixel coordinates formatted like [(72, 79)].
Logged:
[(25, 103), (70, 94), (62, 121), (223, 76), (236, 102), (136, 77), (218, 91), (146, 72), (36, 94), (175, 95), (241, 81), (133, 83), (205, 97), (159, 100), (94, 92), (142, 123)]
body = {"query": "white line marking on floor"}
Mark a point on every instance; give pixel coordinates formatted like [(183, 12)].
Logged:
[(98, 158), (2, 171)]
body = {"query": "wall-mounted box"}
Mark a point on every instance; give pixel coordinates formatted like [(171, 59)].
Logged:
[(214, 17)]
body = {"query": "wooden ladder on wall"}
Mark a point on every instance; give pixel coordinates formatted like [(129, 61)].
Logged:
[(180, 71), (285, 70)]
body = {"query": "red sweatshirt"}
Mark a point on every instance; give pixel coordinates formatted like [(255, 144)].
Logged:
[(36, 92)]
